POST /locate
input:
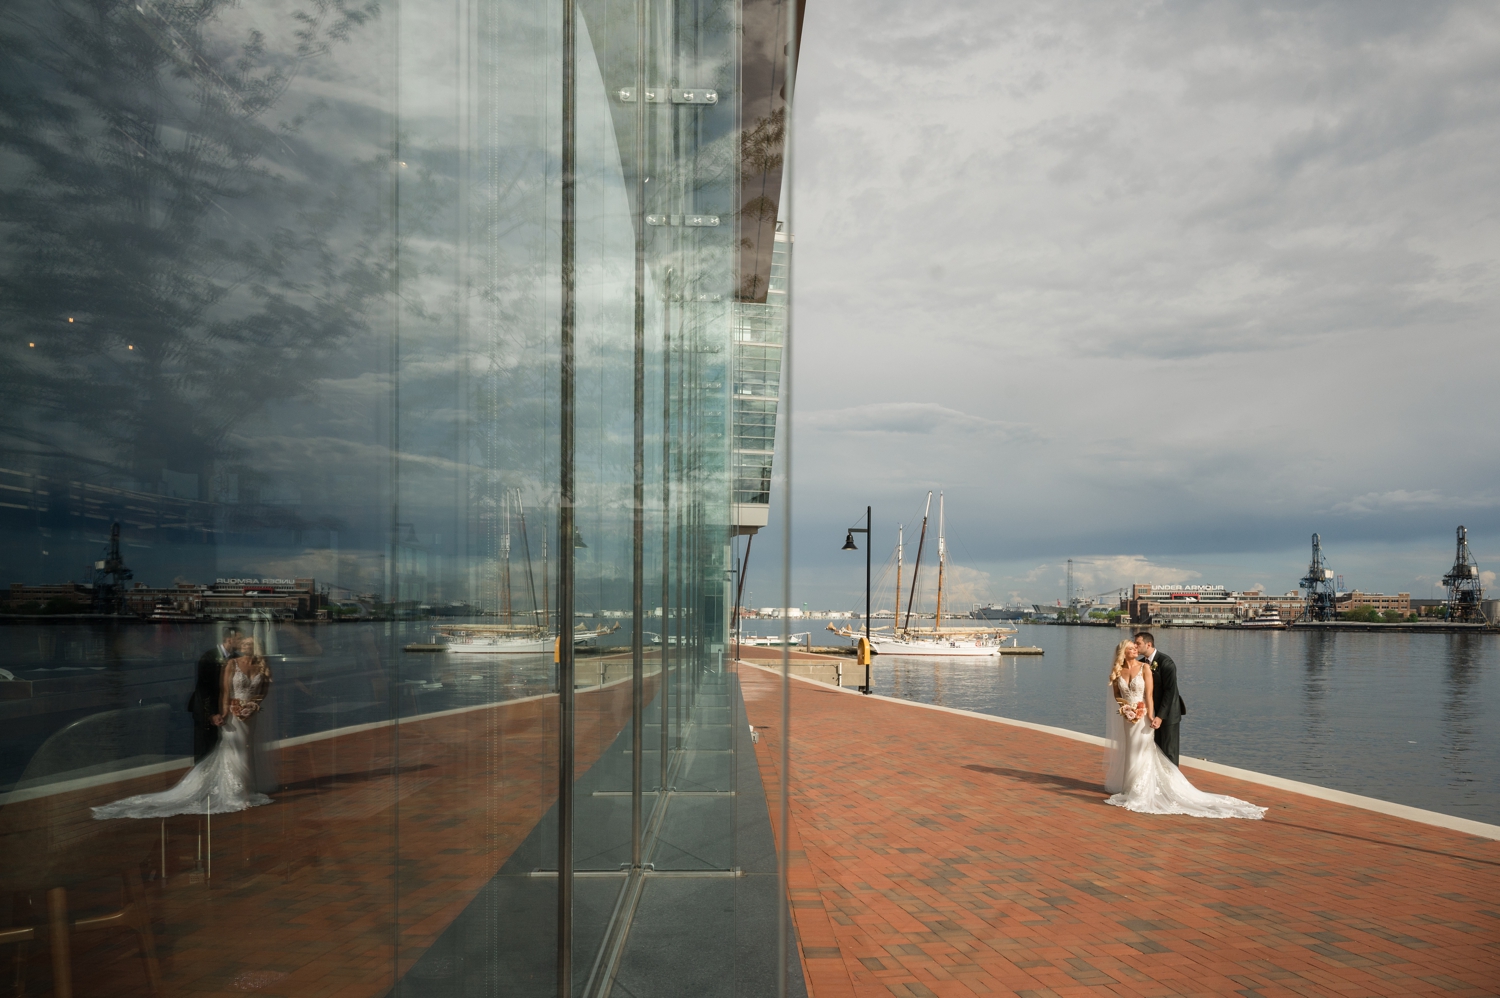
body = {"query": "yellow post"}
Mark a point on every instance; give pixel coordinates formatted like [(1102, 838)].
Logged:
[(862, 657)]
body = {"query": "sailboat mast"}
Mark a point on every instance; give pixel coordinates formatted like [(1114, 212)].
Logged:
[(896, 620), (937, 619), (916, 571), (505, 606), (526, 546)]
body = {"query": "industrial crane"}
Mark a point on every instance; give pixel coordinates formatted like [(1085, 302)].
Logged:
[(1465, 589), (1319, 584)]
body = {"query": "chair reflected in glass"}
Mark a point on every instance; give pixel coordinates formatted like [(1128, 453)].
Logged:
[(52, 847)]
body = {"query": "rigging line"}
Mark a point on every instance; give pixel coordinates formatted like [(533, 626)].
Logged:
[(739, 591), (526, 543), (916, 571)]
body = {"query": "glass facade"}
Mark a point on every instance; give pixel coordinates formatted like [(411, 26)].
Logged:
[(382, 385), (759, 334)]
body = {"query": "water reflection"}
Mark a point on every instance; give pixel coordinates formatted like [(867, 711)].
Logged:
[(1461, 678), (1318, 653)]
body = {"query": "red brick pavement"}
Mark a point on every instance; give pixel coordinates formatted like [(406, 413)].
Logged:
[(307, 894), (934, 854)]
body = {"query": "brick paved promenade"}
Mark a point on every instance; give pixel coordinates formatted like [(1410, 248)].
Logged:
[(304, 892), (938, 854)]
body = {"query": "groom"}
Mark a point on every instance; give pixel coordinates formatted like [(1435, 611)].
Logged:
[(204, 703), (1170, 708)]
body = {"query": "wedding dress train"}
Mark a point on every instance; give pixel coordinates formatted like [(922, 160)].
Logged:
[(225, 780), (1143, 779)]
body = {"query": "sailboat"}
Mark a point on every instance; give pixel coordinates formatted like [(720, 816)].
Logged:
[(502, 639), (938, 641), (515, 637), (512, 637), (493, 639)]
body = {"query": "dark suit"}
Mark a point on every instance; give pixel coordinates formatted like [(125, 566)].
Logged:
[(204, 703), (1168, 703)]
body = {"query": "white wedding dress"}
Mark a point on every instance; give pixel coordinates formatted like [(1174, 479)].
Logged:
[(1143, 779), (226, 779)]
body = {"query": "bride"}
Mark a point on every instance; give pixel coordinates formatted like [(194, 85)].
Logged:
[(227, 778), (1139, 775)]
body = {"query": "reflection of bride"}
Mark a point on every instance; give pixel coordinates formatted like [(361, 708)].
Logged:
[(1138, 773), (228, 778)]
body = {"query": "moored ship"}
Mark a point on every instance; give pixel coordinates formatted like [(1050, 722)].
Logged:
[(1268, 619), (1013, 611)]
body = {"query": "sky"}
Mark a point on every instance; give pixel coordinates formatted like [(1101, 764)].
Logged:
[(1162, 288)]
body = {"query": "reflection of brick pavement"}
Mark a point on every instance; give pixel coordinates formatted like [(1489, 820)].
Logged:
[(936, 854), (305, 893), (772, 656)]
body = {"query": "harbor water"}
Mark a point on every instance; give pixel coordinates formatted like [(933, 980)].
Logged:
[(1409, 718)]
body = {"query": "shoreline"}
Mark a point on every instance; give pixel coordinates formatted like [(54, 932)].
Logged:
[(1440, 627), (1468, 826)]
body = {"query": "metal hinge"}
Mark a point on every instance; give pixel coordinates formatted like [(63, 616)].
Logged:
[(660, 95), (689, 220)]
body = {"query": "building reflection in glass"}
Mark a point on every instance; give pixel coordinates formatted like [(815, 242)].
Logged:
[(280, 294)]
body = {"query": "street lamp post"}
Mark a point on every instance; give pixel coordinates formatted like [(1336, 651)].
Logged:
[(849, 545)]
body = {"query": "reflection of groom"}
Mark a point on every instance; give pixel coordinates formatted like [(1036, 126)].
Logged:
[(1170, 707), (204, 703)]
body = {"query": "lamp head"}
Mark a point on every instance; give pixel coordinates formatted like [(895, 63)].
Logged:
[(849, 544), (578, 538)]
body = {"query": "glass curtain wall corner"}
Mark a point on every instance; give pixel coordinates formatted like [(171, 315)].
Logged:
[(280, 451)]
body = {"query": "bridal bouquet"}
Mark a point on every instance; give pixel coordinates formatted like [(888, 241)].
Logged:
[(1128, 710)]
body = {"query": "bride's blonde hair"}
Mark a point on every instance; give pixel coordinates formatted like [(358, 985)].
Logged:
[(1120, 668), (256, 655)]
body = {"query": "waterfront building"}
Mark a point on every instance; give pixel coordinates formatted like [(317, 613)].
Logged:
[(1354, 600), (1201, 605), (288, 599), (64, 597), (1204, 605), (301, 305)]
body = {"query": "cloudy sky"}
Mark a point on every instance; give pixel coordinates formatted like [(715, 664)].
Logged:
[(1163, 288)]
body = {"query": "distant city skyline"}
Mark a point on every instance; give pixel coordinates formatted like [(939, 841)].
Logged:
[(1414, 567)]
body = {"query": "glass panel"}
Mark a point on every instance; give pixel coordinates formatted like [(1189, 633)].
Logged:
[(196, 444), (476, 501), (281, 498)]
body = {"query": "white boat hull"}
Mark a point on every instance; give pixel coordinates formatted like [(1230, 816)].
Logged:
[(954, 648), (501, 646)]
